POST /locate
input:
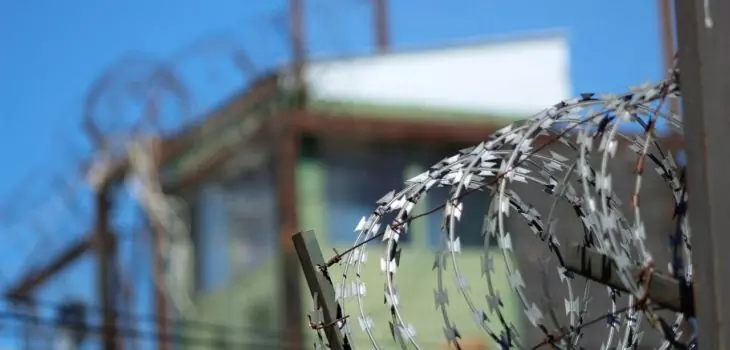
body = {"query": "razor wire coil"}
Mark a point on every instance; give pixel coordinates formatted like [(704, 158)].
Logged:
[(590, 127)]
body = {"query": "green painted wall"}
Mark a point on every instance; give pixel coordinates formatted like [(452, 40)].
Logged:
[(249, 307), (251, 304), (413, 113), (237, 304)]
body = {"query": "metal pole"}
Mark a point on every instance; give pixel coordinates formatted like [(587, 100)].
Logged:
[(296, 26), (704, 53), (105, 254), (382, 35), (320, 285), (160, 297), (287, 156), (29, 328), (286, 188), (666, 20), (58, 263)]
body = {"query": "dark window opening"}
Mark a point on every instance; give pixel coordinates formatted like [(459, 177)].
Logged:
[(234, 227), (356, 176)]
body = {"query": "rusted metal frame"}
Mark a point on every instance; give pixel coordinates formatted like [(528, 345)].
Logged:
[(227, 114), (318, 124), (666, 30), (298, 46), (330, 125), (29, 328), (362, 127), (286, 167), (103, 241), (212, 164), (382, 30), (383, 129), (173, 146), (704, 51), (163, 339), (23, 290), (107, 280), (287, 157), (170, 148)]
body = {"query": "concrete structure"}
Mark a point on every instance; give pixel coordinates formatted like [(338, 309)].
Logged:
[(365, 124)]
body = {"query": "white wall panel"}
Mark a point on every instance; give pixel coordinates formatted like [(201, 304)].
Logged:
[(511, 77)]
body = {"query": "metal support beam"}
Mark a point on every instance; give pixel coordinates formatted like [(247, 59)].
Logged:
[(29, 328), (296, 26), (38, 276), (320, 285), (163, 339), (704, 53), (286, 159), (382, 30), (106, 263), (666, 29), (286, 167), (664, 290)]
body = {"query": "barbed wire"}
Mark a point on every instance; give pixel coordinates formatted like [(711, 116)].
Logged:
[(133, 79), (168, 214), (237, 337), (141, 318), (508, 157)]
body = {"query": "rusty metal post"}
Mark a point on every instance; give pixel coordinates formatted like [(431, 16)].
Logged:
[(320, 285), (29, 328), (163, 339), (38, 276), (286, 187), (666, 28), (704, 52), (296, 26), (106, 257), (287, 157), (382, 28)]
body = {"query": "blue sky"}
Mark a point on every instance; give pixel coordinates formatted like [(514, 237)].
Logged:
[(53, 50)]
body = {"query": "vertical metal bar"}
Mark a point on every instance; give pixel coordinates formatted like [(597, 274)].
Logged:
[(704, 53), (163, 339), (29, 328), (106, 257), (666, 20), (127, 292), (286, 188), (310, 257), (161, 303), (296, 26), (382, 29), (286, 185)]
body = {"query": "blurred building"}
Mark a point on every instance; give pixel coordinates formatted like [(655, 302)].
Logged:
[(275, 160)]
